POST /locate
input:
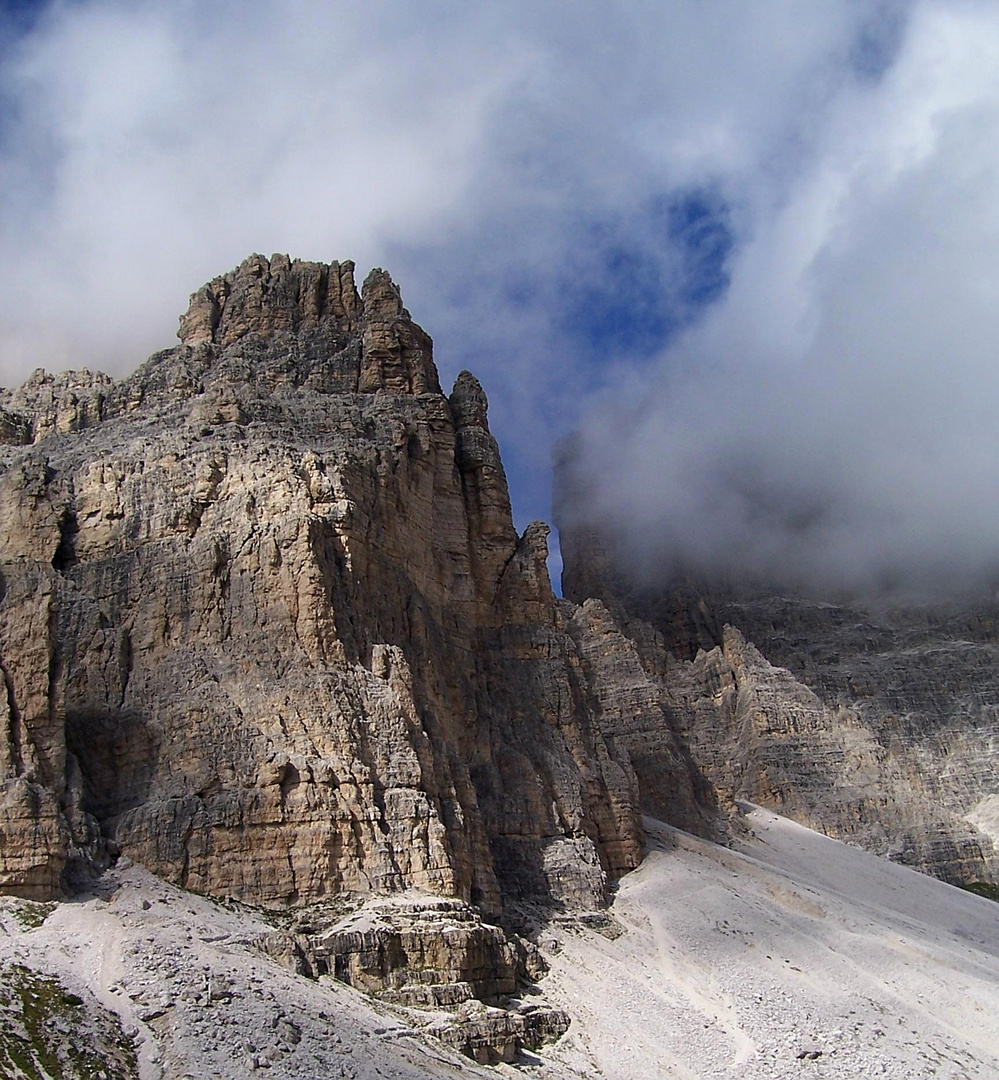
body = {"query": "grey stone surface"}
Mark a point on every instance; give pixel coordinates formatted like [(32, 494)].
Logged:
[(267, 628), (875, 723)]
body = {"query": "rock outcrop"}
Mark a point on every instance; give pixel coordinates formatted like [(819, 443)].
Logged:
[(877, 725), (266, 626)]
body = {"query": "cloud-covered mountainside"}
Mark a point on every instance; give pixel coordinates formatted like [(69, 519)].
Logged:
[(750, 247), (834, 419)]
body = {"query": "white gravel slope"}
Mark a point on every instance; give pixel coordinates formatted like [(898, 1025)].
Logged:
[(791, 956), (203, 1003)]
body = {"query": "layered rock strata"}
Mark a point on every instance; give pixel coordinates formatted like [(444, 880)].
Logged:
[(438, 962), (266, 626), (873, 724), (489, 1035), (420, 952)]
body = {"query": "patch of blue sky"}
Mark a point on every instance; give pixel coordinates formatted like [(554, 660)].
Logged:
[(19, 16), (29, 153), (879, 39), (617, 294), (644, 279)]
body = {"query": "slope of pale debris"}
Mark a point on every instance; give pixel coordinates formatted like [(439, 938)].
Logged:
[(792, 956), (198, 1000)]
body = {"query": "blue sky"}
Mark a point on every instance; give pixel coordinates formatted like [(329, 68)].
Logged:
[(21, 12), (677, 225)]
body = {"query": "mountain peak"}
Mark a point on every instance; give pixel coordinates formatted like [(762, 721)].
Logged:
[(291, 308)]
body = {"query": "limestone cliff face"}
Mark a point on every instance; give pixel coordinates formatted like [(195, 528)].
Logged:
[(878, 726), (266, 626)]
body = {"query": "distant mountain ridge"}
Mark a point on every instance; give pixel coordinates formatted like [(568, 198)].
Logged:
[(874, 724)]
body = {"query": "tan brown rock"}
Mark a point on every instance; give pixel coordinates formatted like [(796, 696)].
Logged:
[(269, 629), (422, 952), (491, 1036)]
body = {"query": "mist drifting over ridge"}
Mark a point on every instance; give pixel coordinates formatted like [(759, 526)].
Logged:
[(749, 251), (834, 422)]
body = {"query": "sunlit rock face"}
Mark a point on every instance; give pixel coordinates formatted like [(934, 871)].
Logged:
[(267, 628), (874, 723)]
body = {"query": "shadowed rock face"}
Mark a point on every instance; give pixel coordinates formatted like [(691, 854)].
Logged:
[(266, 626), (875, 725)]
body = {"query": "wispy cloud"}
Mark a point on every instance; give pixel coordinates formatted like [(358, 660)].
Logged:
[(767, 228), (834, 420)]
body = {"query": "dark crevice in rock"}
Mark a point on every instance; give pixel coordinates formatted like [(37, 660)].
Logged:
[(125, 662), (65, 555), (15, 728)]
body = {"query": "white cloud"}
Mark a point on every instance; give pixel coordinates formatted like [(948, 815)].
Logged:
[(156, 147), (836, 417), (495, 158)]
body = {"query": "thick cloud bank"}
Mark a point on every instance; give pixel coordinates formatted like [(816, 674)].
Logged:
[(835, 421), (750, 248)]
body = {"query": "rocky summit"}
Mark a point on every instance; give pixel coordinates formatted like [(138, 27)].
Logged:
[(267, 629), (268, 632)]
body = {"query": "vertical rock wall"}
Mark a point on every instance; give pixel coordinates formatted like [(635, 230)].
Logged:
[(267, 628)]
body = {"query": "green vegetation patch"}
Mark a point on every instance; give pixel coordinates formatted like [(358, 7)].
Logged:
[(49, 1033), (983, 888), (30, 914)]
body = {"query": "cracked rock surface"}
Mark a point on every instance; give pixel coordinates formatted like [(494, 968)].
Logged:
[(266, 626)]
